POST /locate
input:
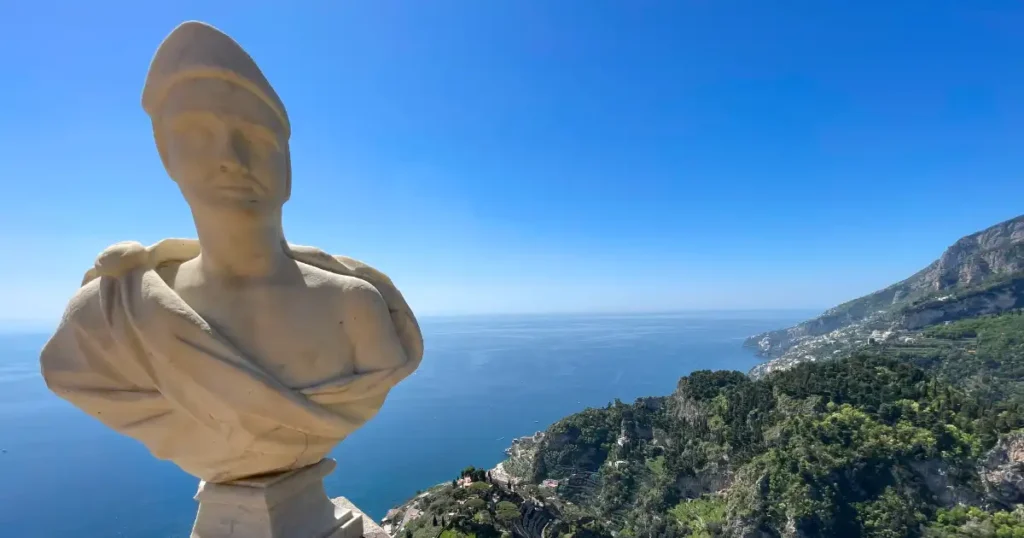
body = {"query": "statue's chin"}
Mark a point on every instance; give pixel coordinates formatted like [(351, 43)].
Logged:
[(225, 210)]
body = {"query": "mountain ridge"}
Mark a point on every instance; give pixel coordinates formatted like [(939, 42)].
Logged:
[(992, 255)]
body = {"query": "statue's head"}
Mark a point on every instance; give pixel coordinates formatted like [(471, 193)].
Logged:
[(221, 130)]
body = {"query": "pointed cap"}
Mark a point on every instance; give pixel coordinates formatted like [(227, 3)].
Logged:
[(197, 50)]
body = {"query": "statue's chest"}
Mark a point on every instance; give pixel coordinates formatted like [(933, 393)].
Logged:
[(294, 335)]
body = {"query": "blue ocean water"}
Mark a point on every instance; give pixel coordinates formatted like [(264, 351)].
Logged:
[(483, 381)]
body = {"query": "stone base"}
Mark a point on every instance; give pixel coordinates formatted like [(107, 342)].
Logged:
[(285, 505), (370, 527)]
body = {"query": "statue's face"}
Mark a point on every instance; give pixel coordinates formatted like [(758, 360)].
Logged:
[(223, 146)]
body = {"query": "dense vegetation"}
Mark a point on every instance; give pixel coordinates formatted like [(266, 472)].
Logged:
[(886, 442), (983, 354), (837, 448)]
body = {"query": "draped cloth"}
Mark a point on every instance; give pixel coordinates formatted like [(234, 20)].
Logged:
[(130, 352)]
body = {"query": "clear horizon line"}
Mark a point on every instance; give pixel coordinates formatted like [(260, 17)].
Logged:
[(24, 326), (618, 312)]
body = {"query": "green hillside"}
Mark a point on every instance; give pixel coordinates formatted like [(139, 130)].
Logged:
[(917, 438)]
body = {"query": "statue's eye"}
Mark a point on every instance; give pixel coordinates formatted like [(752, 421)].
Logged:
[(196, 135), (264, 139), (192, 131)]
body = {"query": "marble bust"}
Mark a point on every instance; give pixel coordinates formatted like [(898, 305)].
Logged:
[(237, 354)]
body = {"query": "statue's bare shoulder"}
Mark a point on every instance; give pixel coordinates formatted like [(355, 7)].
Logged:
[(352, 296), (365, 317), (317, 277)]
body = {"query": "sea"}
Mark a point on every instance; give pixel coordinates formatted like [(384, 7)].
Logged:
[(484, 381)]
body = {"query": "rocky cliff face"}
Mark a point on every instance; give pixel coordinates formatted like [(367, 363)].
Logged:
[(993, 299), (998, 250), (1002, 471), (991, 254), (524, 463)]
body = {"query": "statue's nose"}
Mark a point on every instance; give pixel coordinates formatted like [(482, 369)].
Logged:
[(235, 153)]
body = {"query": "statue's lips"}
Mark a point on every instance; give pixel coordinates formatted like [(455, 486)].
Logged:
[(245, 185), (236, 188)]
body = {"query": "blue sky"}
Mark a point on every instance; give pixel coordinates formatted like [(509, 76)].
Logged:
[(528, 156)]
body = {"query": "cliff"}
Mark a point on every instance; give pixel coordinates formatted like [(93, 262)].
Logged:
[(979, 274)]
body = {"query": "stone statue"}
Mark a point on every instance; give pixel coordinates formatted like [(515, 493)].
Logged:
[(236, 355)]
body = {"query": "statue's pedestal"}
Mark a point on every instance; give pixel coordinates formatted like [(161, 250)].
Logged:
[(286, 505)]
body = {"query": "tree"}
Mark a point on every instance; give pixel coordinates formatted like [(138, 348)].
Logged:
[(435, 521), (483, 517), (480, 487), (891, 515), (507, 512), (455, 483)]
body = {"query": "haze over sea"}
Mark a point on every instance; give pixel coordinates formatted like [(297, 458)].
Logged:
[(483, 381)]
